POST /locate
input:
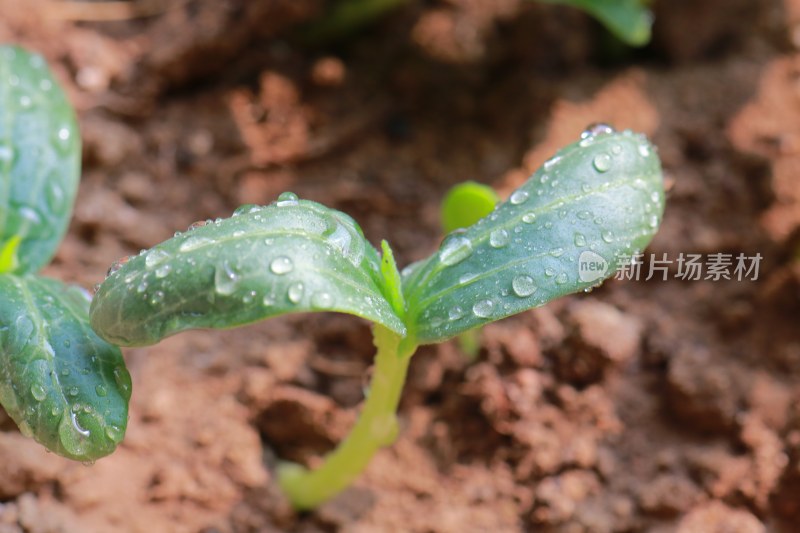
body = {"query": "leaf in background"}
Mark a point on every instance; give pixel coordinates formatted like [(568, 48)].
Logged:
[(466, 203), (39, 158), (291, 256), (61, 383), (629, 20), (563, 231)]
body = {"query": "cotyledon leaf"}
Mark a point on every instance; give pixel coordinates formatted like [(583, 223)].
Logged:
[(61, 383), (291, 256), (565, 229), (629, 20), (39, 158)]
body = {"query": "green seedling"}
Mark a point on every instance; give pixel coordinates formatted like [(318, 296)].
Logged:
[(629, 20), (594, 201), (61, 383), (464, 205)]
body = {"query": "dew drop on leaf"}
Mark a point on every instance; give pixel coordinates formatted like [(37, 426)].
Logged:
[(529, 218), (602, 162), (286, 199), (518, 197), (455, 313), (523, 285), (225, 279), (597, 128), (580, 239), (101, 390), (155, 258), (281, 265), (321, 300), (498, 238), (114, 433), (483, 308), (295, 292), (607, 236), (455, 249), (38, 392)]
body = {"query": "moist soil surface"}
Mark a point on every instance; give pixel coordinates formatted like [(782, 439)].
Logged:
[(647, 405)]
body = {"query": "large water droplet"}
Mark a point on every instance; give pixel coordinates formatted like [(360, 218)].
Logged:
[(321, 300), (38, 392), (607, 236), (455, 248), (281, 265), (286, 199), (518, 197), (529, 218), (295, 292), (498, 238), (580, 239), (483, 308), (225, 279), (155, 257), (602, 162), (523, 285), (597, 128)]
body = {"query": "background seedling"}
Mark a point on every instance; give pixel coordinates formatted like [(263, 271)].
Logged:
[(59, 382), (464, 205), (601, 196), (629, 20)]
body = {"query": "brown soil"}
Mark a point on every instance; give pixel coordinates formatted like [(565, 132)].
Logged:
[(643, 406)]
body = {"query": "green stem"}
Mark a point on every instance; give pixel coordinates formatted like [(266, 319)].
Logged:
[(376, 427)]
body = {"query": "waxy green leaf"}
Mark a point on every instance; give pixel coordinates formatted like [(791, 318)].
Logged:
[(39, 158), (61, 383), (291, 256), (629, 20), (565, 230)]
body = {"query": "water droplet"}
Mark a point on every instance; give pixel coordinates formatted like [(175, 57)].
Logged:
[(498, 238), (584, 215), (141, 287), (116, 265), (455, 249), (64, 134), (455, 313), (550, 163), (155, 257), (123, 380), (25, 101), (549, 272), (529, 218), (193, 243), (246, 209), (286, 199), (562, 278), (616, 149), (321, 300), (580, 239), (114, 433), (281, 265), (38, 392), (518, 197), (30, 215), (644, 150), (6, 154), (65, 372), (654, 221), (73, 391), (101, 390), (225, 279), (602, 162), (607, 236), (483, 308), (80, 429), (557, 252), (523, 285), (45, 85), (655, 197), (295, 292), (268, 300), (597, 128), (163, 271)]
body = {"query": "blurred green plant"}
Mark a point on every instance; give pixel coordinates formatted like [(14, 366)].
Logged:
[(61, 383)]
